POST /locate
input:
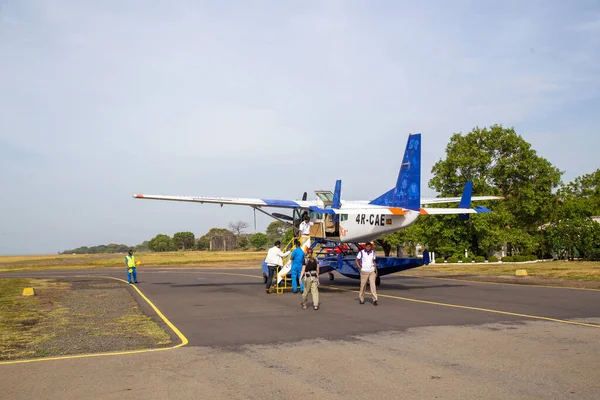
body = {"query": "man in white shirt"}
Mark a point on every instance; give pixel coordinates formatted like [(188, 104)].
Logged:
[(274, 259), (365, 261), (304, 229)]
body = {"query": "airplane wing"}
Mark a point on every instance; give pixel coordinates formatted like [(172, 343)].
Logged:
[(257, 203), (441, 200)]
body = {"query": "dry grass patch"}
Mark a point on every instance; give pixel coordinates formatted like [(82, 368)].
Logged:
[(87, 261), (28, 322)]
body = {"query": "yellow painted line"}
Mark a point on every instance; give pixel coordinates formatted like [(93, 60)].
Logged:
[(474, 308), (177, 332), (501, 283)]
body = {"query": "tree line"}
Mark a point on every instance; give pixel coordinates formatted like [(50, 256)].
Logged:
[(276, 230), (187, 240)]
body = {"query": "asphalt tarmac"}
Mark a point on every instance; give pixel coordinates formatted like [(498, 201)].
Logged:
[(428, 338)]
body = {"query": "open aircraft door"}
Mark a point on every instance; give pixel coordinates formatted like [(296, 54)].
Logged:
[(326, 225)]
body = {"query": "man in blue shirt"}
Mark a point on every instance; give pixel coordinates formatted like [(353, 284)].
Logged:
[(297, 262)]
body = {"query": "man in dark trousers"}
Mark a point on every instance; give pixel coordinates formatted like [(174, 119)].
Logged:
[(274, 259)]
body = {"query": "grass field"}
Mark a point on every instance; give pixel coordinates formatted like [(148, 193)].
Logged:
[(86, 261), (573, 270)]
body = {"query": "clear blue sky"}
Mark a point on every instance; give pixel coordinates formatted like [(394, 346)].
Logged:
[(103, 99)]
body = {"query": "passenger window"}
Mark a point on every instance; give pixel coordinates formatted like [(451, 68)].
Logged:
[(344, 217)]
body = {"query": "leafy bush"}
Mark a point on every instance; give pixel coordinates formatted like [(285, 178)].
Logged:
[(452, 260), (507, 259), (259, 240), (439, 260), (594, 255), (479, 259), (533, 257), (493, 259), (521, 258)]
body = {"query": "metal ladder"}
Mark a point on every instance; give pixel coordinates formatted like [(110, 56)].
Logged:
[(286, 282)]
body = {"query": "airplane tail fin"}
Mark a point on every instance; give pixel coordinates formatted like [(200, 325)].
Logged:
[(337, 195), (407, 193), (465, 200)]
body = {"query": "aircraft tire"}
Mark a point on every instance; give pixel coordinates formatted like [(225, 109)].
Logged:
[(377, 281), (331, 277)]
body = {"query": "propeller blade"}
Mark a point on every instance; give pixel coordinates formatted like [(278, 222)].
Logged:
[(283, 216), (304, 196)]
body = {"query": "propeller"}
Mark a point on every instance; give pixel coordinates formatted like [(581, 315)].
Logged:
[(304, 196), (283, 216)]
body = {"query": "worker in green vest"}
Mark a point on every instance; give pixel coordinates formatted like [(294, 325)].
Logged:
[(130, 264)]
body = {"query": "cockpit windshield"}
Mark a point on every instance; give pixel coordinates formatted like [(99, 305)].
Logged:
[(326, 197)]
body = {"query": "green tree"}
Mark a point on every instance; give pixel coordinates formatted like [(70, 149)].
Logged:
[(259, 240), (277, 231), (203, 243), (183, 240), (288, 236), (142, 247), (499, 162), (581, 197), (243, 242), (574, 237), (161, 243), (410, 237), (218, 232)]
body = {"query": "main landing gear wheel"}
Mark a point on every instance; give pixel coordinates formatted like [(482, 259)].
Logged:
[(331, 276), (377, 281), (265, 277)]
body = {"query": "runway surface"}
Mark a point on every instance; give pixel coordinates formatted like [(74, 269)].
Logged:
[(428, 338)]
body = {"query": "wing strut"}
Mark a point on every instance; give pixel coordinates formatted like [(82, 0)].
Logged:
[(270, 215)]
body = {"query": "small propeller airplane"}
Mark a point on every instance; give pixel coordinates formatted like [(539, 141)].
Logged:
[(343, 221)]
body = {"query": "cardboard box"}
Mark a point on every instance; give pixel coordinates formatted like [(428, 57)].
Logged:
[(316, 230)]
